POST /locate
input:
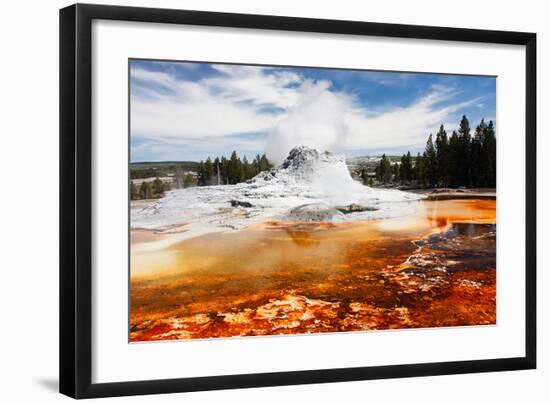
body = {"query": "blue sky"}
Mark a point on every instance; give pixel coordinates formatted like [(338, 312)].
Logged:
[(189, 111)]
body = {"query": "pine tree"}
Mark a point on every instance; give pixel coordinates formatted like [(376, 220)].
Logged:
[(189, 181), (419, 171), (257, 162), (208, 171), (455, 162), (409, 165), (465, 174), (145, 190), (430, 162), (224, 170), (364, 176), (383, 170), (488, 155), (157, 188), (442, 151), (395, 170), (477, 163), (201, 174), (246, 168), (264, 163), (217, 171), (241, 173), (234, 169), (406, 169), (134, 192)]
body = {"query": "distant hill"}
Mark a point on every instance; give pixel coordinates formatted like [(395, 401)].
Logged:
[(151, 164), (149, 169)]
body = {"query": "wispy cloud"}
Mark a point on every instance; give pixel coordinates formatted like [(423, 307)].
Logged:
[(405, 127), (234, 102), (277, 107)]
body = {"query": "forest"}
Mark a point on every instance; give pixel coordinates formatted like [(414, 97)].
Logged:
[(232, 170), (463, 159), (217, 171)]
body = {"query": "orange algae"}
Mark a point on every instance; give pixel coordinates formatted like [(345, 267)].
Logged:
[(436, 267)]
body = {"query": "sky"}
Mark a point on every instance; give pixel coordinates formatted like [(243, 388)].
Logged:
[(189, 111)]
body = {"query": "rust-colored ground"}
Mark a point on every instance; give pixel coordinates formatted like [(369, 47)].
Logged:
[(434, 268)]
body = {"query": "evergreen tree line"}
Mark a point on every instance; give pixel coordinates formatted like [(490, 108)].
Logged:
[(155, 189), (148, 190), (232, 170), (463, 159), (184, 179)]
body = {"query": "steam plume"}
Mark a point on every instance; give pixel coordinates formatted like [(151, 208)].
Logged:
[(316, 121)]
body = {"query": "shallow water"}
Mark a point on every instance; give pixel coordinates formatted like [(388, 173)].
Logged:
[(436, 267)]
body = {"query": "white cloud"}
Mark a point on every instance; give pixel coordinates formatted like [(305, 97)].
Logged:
[(260, 86), (292, 109), (402, 126), (231, 103), (196, 119)]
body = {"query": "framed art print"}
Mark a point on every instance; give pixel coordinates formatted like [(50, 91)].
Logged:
[(256, 200)]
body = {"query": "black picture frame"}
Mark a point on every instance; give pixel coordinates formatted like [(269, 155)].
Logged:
[(75, 372)]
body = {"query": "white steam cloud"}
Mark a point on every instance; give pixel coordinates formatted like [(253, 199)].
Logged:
[(316, 120)]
